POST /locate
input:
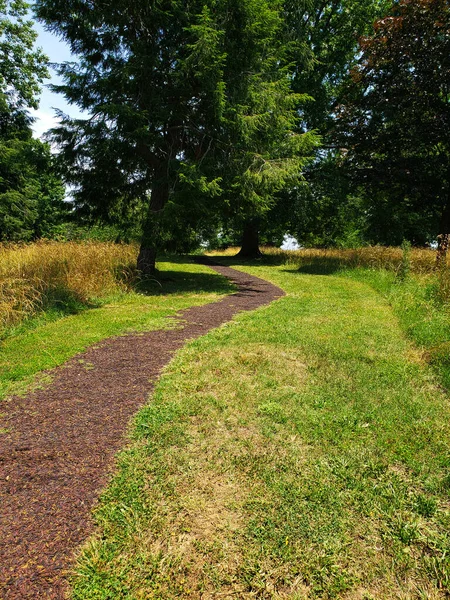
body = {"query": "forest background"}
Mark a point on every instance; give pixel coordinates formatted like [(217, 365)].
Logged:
[(220, 123)]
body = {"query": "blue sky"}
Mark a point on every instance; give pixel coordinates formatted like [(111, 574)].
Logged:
[(57, 51)]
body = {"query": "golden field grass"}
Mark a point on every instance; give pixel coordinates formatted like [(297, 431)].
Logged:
[(33, 275), (422, 260)]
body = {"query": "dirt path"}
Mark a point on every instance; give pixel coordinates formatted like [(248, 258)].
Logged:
[(61, 441)]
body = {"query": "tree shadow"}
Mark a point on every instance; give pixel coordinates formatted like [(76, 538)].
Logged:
[(170, 281), (321, 266), (65, 302), (235, 261)]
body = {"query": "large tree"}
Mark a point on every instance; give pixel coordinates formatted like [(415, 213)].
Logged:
[(189, 106), (395, 122), (324, 36)]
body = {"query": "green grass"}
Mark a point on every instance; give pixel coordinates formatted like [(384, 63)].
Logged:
[(301, 451), (53, 337), (422, 315)]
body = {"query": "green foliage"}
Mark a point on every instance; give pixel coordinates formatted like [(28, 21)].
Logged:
[(189, 100), (326, 34), (31, 195), (323, 47), (22, 66), (328, 212), (396, 117)]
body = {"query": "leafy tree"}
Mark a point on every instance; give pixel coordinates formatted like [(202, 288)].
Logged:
[(395, 122), (190, 110), (324, 47), (325, 35), (31, 196), (22, 66)]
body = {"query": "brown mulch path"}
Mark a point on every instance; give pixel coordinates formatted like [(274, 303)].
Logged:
[(61, 441)]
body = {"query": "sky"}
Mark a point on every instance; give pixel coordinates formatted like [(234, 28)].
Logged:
[(57, 51)]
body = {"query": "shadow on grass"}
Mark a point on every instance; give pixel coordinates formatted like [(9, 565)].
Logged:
[(238, 261), (66, 302), (322, 266), (171, 281), (319, 266)]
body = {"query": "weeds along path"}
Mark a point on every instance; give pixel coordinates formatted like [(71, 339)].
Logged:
[(60, 441)]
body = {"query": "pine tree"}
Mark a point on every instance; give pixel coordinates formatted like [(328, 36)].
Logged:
[(190, 106)]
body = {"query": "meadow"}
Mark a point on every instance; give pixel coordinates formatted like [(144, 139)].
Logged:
[(300, 451)]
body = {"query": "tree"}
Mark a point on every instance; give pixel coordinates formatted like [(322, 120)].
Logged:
[(31, 196), (323, 47), (395, 121), (190, 107), (22, 66), (325, 35)]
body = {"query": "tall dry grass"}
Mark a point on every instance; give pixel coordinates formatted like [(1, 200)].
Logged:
[(423, 260), (32, 276)]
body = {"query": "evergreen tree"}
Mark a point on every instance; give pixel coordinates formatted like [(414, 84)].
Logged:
[(190, 109)]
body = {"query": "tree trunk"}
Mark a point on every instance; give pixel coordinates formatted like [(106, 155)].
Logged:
[(250, 240), (443, 238), (151, 235)]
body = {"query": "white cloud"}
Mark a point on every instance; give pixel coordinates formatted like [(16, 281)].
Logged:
[(45, 120)]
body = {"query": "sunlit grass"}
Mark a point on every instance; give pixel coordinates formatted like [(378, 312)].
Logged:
[(52, 337), (301, 451)]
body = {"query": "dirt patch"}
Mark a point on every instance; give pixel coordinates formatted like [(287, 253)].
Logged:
[(60, 441)]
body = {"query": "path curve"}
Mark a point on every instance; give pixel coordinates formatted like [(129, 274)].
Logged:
[(62, 440)]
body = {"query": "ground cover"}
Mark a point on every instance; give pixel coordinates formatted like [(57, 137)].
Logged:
[(53, 336), (301, 451)]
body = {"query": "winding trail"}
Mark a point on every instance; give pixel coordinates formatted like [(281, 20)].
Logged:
[(61, 441)]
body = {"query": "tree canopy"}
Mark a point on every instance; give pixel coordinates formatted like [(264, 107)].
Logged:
[(188, 101), (395, 120), (327, 119), (31, 195)]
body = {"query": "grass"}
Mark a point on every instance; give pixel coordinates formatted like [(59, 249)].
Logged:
[(59, 276), (50, 338), (300, 451), (316, 261)]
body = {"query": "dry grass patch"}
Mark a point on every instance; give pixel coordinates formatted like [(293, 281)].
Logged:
[(422, 260), (33, 275)]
